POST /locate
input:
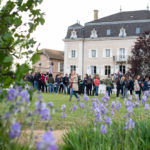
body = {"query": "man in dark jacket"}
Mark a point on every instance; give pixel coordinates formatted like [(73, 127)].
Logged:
[(66, 84)]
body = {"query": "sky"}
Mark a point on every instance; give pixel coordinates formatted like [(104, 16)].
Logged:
[(62, 13)]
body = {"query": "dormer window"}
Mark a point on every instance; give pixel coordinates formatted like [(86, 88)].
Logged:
[(73, 34), (122, 32), (138, 30), (93, 33), (108, 32)]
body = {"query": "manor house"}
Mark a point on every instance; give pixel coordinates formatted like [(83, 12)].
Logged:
[(103, 46)]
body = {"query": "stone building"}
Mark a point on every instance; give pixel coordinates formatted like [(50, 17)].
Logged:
[(103, 46), (48, 57)]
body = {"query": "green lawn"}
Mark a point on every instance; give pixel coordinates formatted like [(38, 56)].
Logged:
[(81, 116)]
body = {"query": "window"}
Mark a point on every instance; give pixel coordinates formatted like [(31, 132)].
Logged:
[(122, 32), (93, 53), (122, 69), (107, 70), (73, 34), (73, 54), (107, 52), (93, 70), (94, 33), (138, 30), (72, 67), (61, 67), (122, 53), (108, 32)]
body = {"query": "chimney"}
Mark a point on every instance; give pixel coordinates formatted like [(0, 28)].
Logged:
[(95, 14)]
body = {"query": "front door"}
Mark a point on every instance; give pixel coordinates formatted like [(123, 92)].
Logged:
[(122, 68)]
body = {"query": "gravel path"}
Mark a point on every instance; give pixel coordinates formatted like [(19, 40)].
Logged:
[(39, 133)]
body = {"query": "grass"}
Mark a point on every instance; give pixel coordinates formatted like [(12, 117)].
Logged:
[(77, 117)]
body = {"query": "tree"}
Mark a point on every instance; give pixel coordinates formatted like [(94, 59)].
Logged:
[(140, 59), (18, 20)]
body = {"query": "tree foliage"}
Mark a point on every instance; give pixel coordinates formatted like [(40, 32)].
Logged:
[(140, 59), (18, 20)]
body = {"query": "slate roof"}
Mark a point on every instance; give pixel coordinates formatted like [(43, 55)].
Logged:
[(54, 54), (124, 16), (129, 20)]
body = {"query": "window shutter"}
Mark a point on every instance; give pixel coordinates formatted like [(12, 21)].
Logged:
[(126, 52), (77, 70), (102, 70), (111, 53), (69, 54), (58, 66), (96, 53), (117, 69), (112, 70), (90, 53), (88, 69), (76, 54), (97, 70), (68, 69), (104, 53)]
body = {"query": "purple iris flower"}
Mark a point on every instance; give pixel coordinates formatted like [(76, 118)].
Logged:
[(45, 114), (63, 115), (113, 104), (74, 108), (147, 107), (130, 124), (130, 109), (118, 105), (50, 104), (48, 142), (108, 121), (146, 93), (86, 98), (0, 92), (98, 118), (15, 131), (40, 105), (11, 95), (112, 113), (136, 104), (63, 107), (24, 96), (78, 99), (103, 129), (82, 105)]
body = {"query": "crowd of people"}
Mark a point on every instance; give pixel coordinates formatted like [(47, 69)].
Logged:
[(74, 84)]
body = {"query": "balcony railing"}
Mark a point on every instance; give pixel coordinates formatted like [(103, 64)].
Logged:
[(121, 58)]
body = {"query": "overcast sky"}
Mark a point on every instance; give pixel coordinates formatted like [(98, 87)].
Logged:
[(62, 13)]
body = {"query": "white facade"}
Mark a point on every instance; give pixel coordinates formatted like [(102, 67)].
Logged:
[(102, 56)]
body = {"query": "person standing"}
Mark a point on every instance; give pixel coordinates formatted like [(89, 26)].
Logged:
[(125, 87), (96, 83), (131, 86), (43, 81), (50, 80), (61, 87), (118, 87), (73, 85), (146, 87), (137, 87), (57, 83), (66, 83), (149, 84), (109, 84), (89, 85), (81, 86), (85, 83)]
